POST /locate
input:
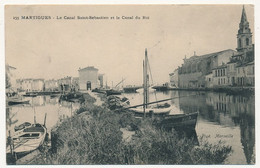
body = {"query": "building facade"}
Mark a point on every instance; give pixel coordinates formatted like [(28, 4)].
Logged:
[(51, 85), (75, 83), (219, 76), (88, 78), (226, 68), (30, 85), (241, 65), (65, 84), (193, 72), (174, 78)]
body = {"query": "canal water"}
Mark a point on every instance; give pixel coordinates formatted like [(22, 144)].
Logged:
[(229, 118), (39, 106)]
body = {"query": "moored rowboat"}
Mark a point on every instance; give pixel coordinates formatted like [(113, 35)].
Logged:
[(15, 101), (153, 109), (28, 140)]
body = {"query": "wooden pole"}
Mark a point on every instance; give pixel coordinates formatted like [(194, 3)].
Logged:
[(44, 123)]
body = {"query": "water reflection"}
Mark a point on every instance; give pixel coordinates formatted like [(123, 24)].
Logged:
[(230, 118), (56, 112), (226, 111), (220, 114)]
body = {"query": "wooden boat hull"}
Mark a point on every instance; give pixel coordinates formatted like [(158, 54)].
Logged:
[(113, 92), (131, 89), (160, 88), (14, 102), (179, 121), (22, 126), (30, 95), (103, 91), (152, 111), (27, 141)]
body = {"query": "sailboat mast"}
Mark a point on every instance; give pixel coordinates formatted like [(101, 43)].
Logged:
[(144, 98), (146, 88)]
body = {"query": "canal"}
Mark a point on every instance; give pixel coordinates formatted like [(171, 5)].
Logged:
[(39, 106), (229, 118)]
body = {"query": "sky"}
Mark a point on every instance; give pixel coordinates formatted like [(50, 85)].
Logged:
[(56, 48)]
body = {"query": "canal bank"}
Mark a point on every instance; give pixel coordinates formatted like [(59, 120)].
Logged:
[(94, 136), (229, 90)]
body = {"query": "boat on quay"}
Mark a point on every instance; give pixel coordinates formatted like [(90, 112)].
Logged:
[(116, 102), (72, 97), (163, 87), (131, 89), (100, 90), (113, 92), (27, 140)]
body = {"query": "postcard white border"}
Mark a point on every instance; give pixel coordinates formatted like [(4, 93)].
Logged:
[(111, 2)]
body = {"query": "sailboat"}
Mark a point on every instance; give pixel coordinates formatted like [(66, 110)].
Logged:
[(165, 120), (157, 109)]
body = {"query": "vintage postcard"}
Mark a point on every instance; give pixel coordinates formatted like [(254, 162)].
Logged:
[(136, 84)]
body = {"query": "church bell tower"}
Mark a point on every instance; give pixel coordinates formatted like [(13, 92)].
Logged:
[(244, 35)]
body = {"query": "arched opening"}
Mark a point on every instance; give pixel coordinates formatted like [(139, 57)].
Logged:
[(88, 85), (247, 41), (239, 43)]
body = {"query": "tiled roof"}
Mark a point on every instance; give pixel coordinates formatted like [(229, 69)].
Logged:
[(207, 55)]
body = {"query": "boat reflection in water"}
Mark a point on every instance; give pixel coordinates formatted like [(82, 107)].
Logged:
[(56, 112), (229, 118)]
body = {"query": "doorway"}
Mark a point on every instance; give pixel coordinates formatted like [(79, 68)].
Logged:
[(88, 85)]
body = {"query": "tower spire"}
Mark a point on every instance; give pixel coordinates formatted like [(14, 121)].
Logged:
[(244, 35), (243, 16)]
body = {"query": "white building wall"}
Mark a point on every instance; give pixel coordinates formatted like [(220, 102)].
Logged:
[(88, 75)]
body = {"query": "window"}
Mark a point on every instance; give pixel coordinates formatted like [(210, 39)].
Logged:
[(239, 43), (223, 72), (247, 41)]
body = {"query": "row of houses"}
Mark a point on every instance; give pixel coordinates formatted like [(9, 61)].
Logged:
[(88, 79), (220, 69)]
